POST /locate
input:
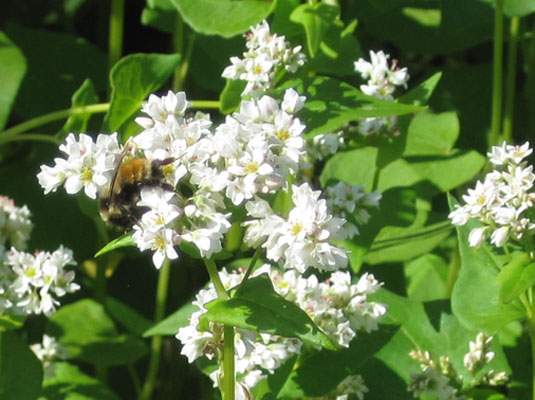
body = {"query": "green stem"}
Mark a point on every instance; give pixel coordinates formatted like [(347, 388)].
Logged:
[(228, 346), (251, 267), (497, 76), (135, 378), (510, 81), (115, 39), (228, 363), (214, 277), (205, 104), (156, 343), (53, 116)]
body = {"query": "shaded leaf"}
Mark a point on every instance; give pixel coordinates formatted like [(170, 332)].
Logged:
[(69, 383), (171, 324), (22, 371), (12, 71)]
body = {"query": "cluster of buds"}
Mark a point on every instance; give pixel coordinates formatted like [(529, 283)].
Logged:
[(503, 202), (441, 381)]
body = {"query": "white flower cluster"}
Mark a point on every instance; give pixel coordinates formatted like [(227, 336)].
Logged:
[(337, 306), (382, 82), (15, 225), (440, 381), (503, 201), (88, 166), (29, 283), (302, 239), (351, 202), (48, 351), (251, 152), (267, 54)]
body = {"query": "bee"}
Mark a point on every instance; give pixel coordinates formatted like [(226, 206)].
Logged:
[(118, 202)]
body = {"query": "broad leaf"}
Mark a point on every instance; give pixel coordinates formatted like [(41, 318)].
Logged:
[(356, 167), (8, 322), (90, 335), (132, 79), (431, 134), (22, 372), (12, 70), (69, 383), (226, 18), (476, 296), (427, 278), (332, 103), (258, 307)]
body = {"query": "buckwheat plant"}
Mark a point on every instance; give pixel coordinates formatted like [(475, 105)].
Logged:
[(49, 351), (244, 162), (439, 380), (382, 80), (30, 283)]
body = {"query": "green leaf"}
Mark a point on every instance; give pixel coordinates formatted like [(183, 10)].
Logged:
[(398, 173), (449, 172), (256, 306), (427, 278), (69, 383), (12, 71), (516, 277), (316, 20), (22, 372), (122, 241), (226, 18), (319, 374), (170, 325), (90, 335), (332, 103), (132, 79), (431, 134), (476, 296), (85, 95), (420, 94), (356, 167), (128, 317)]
